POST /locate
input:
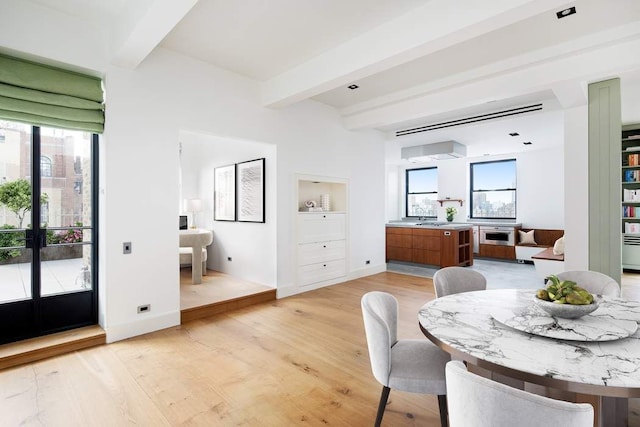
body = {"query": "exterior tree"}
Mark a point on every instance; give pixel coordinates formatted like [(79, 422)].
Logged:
[(16, 195)]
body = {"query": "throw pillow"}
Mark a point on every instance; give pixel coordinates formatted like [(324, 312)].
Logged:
[(558, 246), (526, 237)]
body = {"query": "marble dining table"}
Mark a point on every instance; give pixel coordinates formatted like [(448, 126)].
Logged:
[(597, 357)]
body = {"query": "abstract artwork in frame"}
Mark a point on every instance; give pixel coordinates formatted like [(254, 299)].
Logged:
[(250, 185), (224, 193)]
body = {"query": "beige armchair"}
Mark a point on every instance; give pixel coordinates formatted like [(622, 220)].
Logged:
[(193, 251)]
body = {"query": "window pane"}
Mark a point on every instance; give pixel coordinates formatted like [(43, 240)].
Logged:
[(422, 180), (45, 166), (66, 261), (15, 211), (494, 204), (494, 175), (422, 205)]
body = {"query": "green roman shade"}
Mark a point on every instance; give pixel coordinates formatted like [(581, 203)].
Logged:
[(48, 96)]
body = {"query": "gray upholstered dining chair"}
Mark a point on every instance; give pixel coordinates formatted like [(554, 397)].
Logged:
[(480, 402), (410, 365), (593, 281), (453, 280)]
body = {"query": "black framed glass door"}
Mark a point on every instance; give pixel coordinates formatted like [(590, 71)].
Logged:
[(48, 239)]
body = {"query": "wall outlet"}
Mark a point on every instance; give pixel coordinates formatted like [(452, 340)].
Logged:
[(126, 248), (144, 308), (367, 262), (229, 258)]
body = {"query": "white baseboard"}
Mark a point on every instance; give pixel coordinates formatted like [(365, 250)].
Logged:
[(367, 271), (283, 292), (143, 326)]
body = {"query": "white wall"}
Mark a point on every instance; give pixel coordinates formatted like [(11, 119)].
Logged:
[(251, 246), (540, 186), (576, 182), (146, 110)]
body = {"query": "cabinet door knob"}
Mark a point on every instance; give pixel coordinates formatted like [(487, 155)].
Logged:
[(324, 246), (324, 216), (324, 265)]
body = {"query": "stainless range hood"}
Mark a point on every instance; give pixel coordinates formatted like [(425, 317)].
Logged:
[(437, 151)]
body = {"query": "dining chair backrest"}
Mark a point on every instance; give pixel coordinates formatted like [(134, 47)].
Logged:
[(480, 402), (453, 280), (380, 314), (593, 281)]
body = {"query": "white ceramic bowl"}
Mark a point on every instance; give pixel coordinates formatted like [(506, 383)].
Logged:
[(565, 311)]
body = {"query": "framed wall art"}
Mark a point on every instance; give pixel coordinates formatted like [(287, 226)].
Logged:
[(250, 191), (224, 193)]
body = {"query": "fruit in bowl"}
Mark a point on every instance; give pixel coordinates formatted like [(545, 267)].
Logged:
[(564, 298)]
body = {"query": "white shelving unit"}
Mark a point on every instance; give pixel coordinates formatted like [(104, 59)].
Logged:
[(322, 243)]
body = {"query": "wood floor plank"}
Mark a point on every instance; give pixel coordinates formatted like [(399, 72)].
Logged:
[(301, 360)]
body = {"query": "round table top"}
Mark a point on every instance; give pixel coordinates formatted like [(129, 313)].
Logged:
[(462, 325)]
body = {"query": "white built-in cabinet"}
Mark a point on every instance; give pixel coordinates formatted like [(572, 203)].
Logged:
[(321, 234)]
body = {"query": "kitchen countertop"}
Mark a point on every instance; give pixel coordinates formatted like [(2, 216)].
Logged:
[(434, 225), (497, 224), (450, 225)]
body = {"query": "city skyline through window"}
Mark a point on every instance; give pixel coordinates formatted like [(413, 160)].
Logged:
[(422, 192), (493, 189)]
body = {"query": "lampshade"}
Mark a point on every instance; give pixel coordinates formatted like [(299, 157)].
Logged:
[(193, 205)]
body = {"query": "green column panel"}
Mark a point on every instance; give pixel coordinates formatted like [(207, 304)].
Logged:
[(605, 127)]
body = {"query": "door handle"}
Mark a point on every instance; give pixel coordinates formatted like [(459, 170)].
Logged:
[(28, 238), (35, 242), (43, 238)]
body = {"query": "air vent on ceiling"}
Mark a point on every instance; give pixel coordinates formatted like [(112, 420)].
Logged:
[(471, 119)]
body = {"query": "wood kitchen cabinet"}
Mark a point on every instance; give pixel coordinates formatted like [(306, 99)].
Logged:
[(430, 246), (399, 244), (457, 248), (426, 246), (498, 251)]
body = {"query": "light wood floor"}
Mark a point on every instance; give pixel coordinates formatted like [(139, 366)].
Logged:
[(299, 360), (215, 287)]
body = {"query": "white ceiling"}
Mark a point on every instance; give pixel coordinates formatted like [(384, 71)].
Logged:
[(416, 62)]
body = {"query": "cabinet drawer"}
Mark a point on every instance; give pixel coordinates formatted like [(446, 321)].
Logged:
[(320, 227), (399, 254), (431, 243), (321, 271), (423, 256), (399, 240), (498, 251), (399, 230), (312, 253)]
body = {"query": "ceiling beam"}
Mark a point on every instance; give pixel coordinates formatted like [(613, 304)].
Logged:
[(580, 68), (436, 25), (142, 26)]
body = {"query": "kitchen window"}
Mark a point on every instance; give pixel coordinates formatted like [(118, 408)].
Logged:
[(493, 189), (422, 192)]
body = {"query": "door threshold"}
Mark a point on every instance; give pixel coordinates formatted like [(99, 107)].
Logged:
[(34, 349)]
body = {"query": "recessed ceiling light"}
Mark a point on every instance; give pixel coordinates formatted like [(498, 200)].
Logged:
[(566, 12), (514, 134), (528, 143), (353, 87)]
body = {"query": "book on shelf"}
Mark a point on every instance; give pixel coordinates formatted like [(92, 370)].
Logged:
[(631, 212), (629, 195), (631, 175), (632, 227)]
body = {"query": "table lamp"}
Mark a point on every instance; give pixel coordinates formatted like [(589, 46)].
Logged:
[(193, 206)]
